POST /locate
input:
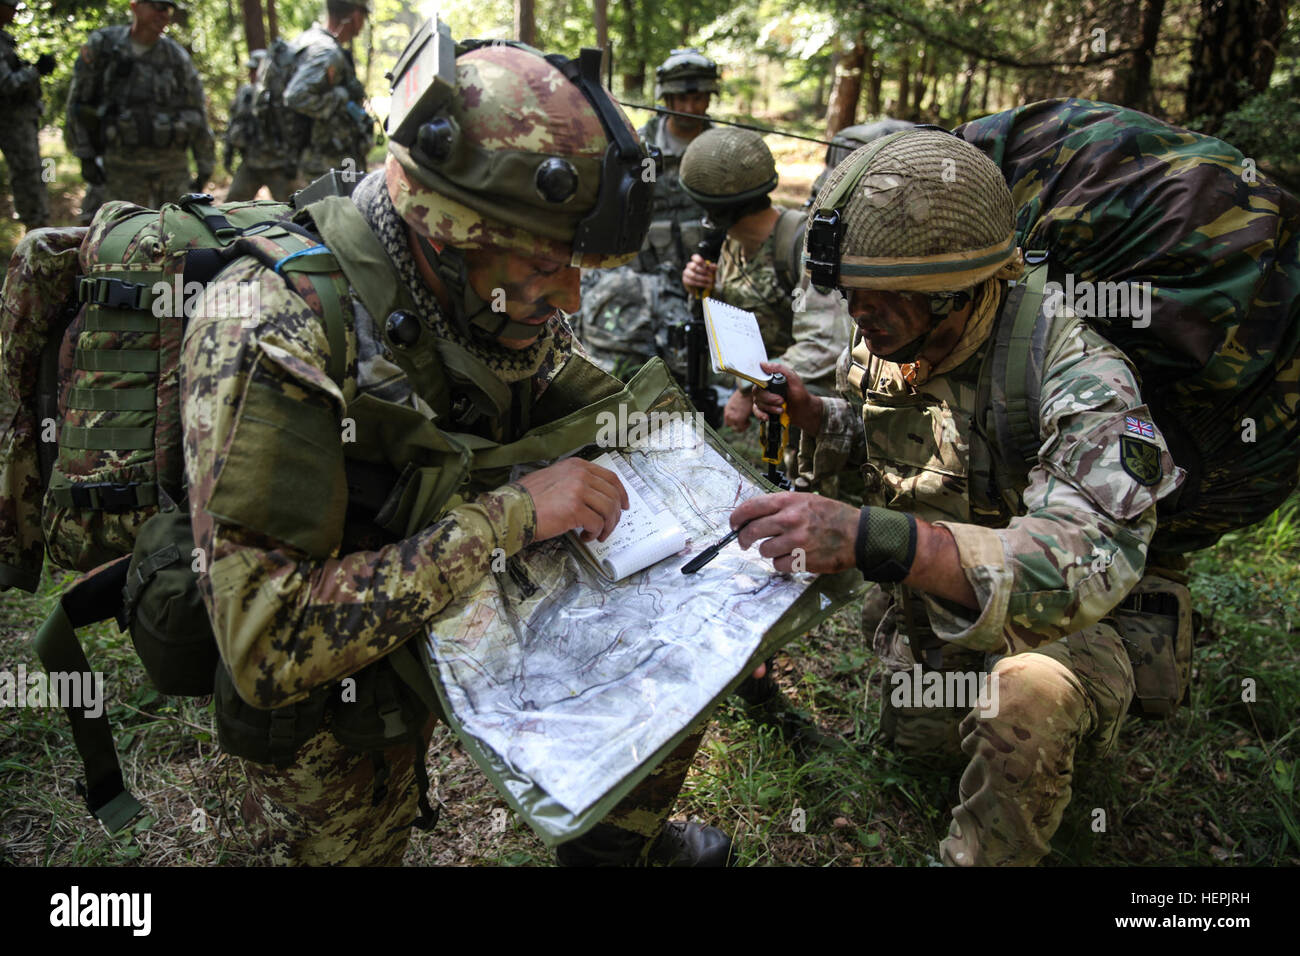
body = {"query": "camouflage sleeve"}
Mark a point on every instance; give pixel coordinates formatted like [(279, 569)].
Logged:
[(821, 334), (842, 442), (84, 97), (22, 83), (264, 458), (1089, 510), (315, 89)]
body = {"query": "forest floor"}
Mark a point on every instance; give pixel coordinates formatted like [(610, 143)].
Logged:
[(1214, 785)]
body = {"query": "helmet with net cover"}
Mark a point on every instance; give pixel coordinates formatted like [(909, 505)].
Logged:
[(727, 166), (917, 211), (686, 71)]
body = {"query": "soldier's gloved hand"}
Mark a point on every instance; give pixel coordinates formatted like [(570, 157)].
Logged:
[(92, 172), (804, 408), (45, 64), (574, 494)]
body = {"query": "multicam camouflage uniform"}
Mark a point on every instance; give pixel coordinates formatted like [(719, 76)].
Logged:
[(143, 112), (1046, 574), (261, 163), (324, 81), (20, 97), (301, 596)]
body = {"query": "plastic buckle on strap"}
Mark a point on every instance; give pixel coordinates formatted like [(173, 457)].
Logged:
[(111, 293), (195, 199), (106, 496)]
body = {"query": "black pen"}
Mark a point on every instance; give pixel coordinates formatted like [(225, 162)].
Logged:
[(708, 554)]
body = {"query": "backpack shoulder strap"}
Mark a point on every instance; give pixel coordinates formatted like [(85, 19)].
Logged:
[(1011, 378), (787, 247)]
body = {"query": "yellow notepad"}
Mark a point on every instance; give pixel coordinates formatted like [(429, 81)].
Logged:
[(735, 343)]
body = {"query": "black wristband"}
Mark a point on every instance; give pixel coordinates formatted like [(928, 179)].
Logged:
[(886, 545)]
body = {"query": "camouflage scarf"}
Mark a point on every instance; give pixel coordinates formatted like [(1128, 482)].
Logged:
[(510, 365), (956, 339)]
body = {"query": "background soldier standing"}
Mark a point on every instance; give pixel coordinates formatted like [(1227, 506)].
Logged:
[(626, 312), (20, 97), (972, 587), (136, 108), (325, 88), (263, 160)]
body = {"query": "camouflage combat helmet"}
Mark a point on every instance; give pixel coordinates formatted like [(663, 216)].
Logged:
[(917, 211), (686, 71), (519, 152), (727, 166)]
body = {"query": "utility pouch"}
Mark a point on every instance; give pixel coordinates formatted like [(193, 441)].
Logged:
[(266, 736), (164, 611), (1155, 623)]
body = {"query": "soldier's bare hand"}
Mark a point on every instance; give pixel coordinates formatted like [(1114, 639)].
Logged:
[(804, 407), (575, 494), (810, 531), (699, 273), (736, 415)]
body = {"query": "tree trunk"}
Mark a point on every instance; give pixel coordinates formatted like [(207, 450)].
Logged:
[(525, 22), (868, 70), (1137, 85), (601, 11), (634, 78), (254, 31), (918, 84), (1236, 43), (847, 88), (963, 106), (988, 81), (873, 93), (904, 78)]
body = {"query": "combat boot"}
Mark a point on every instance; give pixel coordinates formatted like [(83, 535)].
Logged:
[(678, 844), (691, 844)]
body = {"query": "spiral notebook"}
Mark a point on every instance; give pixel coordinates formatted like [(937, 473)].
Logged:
[(647, 532), (735, 343)]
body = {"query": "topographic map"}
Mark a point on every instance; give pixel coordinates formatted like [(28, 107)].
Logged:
[(574, 681)]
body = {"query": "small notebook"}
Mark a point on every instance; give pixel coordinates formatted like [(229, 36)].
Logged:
[(735, 343), (646, 533)]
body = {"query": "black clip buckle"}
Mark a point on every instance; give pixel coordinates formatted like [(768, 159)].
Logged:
[(823, 260)]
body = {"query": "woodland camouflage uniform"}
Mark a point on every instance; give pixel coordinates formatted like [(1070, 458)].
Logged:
[(302, 596), (143, 113), (261, 163), (20, 100), (1047, 574), (324, 81)]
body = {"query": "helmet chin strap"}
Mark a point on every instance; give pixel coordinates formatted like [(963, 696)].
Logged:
[(941, 306), (471, 314)]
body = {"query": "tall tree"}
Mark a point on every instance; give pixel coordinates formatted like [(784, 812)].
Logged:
[(848, 86), (272, 21), (526, 22), (1236, 44), (601, 16), (1137, 82), (254, 30)]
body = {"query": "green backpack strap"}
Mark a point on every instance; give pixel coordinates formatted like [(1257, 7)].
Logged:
[(1011, 377), (787, 247), (95, 597)]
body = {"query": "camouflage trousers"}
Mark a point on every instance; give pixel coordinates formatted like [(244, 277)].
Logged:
[(22, 153), (335, 806), (149, 179), (1042, 710), (248, 179)]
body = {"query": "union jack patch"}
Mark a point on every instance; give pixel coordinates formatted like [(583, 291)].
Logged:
[(1137, 426)]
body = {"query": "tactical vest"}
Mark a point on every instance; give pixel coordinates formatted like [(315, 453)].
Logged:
[(27, 98), (143, 97), (675, 228)]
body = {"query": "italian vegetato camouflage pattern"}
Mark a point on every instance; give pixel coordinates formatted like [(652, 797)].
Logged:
[(42, 273), (509, 99), (324, 81), (1116, 195), (20, 98), (142, 114)]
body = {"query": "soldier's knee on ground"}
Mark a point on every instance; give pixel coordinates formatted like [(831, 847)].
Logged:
[(1022, 746)]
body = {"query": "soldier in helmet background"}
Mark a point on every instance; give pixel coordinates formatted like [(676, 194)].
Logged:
[(20, 95), (626, 313), (730, 173), (263, 161), (136, 110), (304, 588), (324, 88), (970, 585)]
